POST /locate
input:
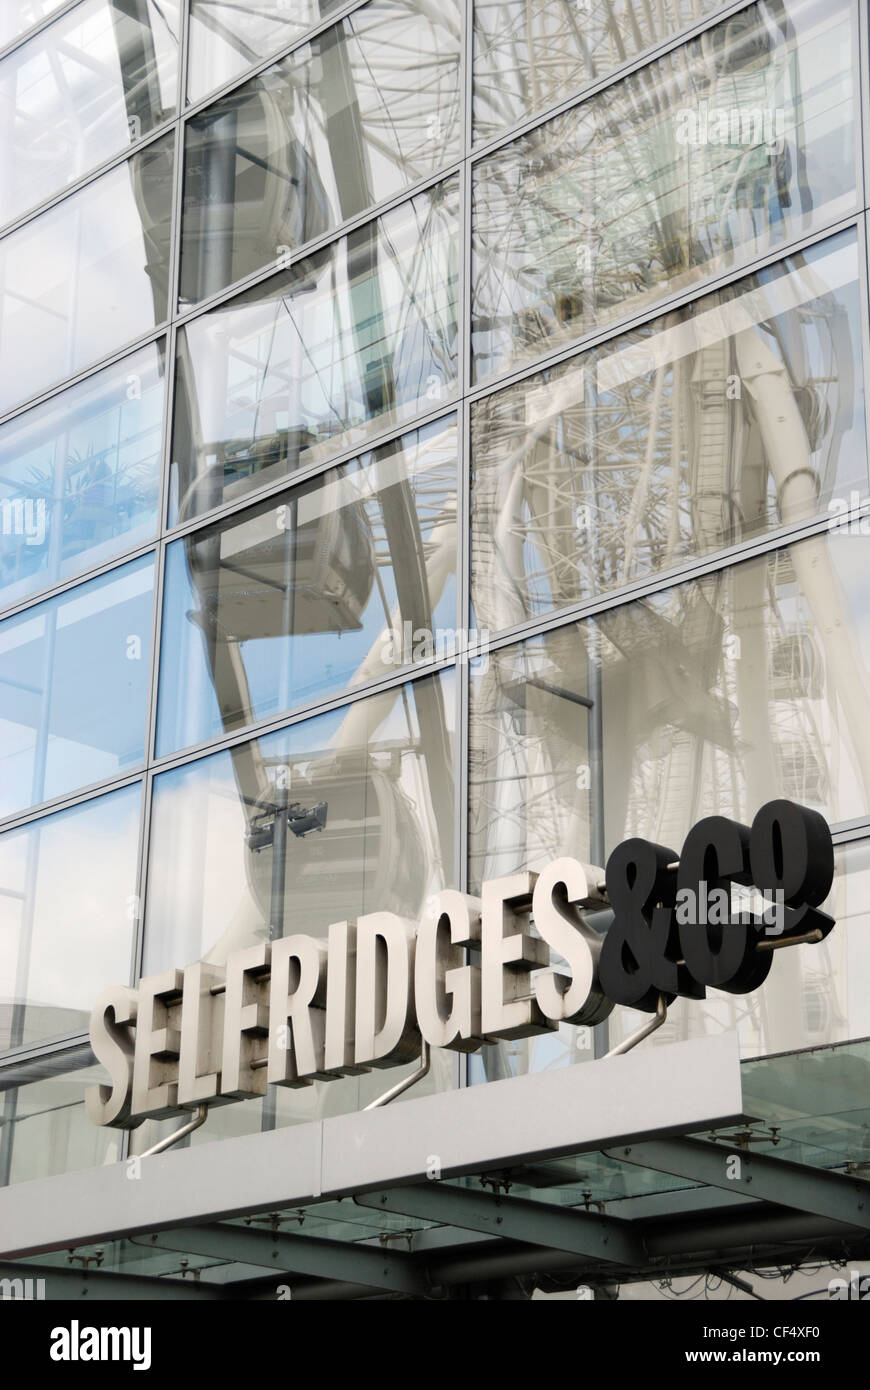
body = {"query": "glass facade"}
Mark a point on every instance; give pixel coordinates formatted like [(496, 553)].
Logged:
[(320, 137), (100, 78), (347, 343), (432, 440), (87, 276)]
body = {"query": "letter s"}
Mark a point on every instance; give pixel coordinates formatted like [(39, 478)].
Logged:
[(112, 1042), (577, 998)]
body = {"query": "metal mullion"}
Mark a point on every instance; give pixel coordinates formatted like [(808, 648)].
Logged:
[(851, 832), (60, 1045), (539, 627), (583, 94), (37, 28), (64, 585), (464, 307), (316, 470), (443, 413), (138, 944), (466, 356), (864, 300), (467, 71), (105, 167), (755, 548), (590, 340), (175, 225), (708, 285), (74, 798), (168, 418), (321, 243), (464, 606), (137, 949), (861, 71), (462, 737), (154, 671), (183, 59), (343, 699), (463, 667), (118, 354)]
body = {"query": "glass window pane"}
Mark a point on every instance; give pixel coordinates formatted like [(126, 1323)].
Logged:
[(44, 1130), (80, 475), (341, 581), (378, 775), (353, 340), (67, 885), (731, 145), (698, 430), (81, 91), (530, 57), (73, 687), (319, 138), (85, 277), (709, 698), (227, 38), (17, 16), (382, 768)]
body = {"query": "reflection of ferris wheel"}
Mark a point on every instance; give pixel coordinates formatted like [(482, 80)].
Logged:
[(596, 478), (655, 460), (387, 101)]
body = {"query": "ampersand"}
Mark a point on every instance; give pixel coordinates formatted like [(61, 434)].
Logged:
[(641, 948)]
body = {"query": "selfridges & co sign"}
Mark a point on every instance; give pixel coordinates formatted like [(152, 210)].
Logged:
[(299, 1009)]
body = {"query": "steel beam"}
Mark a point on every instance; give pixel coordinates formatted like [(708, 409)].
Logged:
[(514, 1218), (756, 1175), (386, 1270), (61, 1284)]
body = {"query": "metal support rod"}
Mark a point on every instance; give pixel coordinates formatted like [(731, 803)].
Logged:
[(279, 875), (633, 1039), (167, 1143), (406, 1084), (789, 941)]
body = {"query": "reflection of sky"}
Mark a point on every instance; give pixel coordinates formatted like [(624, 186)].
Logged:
[(292, 116), (81, 931), (528, 231), (62, 99), (75, 285), (815, 310), (94, 716), (106, 447), (312, 664), (17, 16), (302, 359), (203, 880), (244, 34)]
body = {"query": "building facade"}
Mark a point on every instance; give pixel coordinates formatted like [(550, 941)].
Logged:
[(432, 443)]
